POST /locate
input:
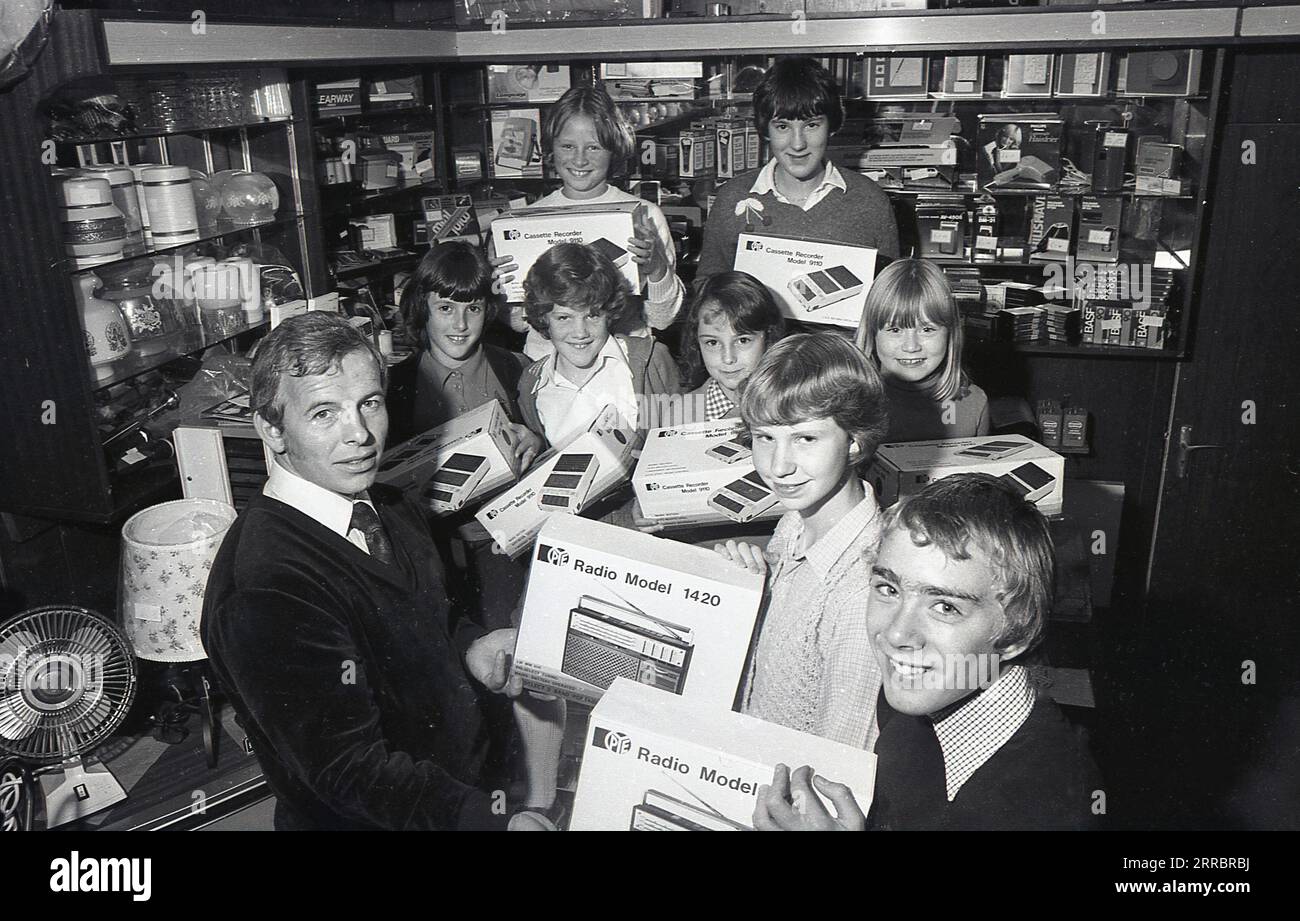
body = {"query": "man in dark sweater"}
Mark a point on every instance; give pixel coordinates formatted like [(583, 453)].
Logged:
[(959, 589), (326, 618)]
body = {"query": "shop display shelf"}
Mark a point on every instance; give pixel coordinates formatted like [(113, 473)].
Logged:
[(207, 235), (187, 342), (150, 133)]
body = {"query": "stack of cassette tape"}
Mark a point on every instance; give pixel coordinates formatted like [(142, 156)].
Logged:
[(1021, 324), (1062, 322)]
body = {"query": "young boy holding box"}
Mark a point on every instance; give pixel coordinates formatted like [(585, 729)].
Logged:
[(816, 411), (959, 589)]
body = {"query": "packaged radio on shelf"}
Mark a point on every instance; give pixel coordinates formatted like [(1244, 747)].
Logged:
[(655, 762), (812, 281), (606, 602), (1035, 472), (460, 460), (525, 235), (527, 82), (701, 473), (563, 481)]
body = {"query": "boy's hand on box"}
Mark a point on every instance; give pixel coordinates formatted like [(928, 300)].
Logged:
[(503, 269), (646, 247), (789, 804), (488, 661), (527, 444), (745, 555)]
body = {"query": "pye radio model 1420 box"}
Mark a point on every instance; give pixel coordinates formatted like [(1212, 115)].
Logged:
[(605, 602), (654, 762), (1035, 472), (564, 480), (455, 462), (701, 473), (525, 235), (813, 282)]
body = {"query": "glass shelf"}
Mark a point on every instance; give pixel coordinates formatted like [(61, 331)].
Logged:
[(207, 235), (147, 133), (1035, 193), (192, 339)]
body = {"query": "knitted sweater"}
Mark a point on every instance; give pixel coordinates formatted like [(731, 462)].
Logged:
[(914, 415), (346, 673), (861, 216), (654, 374)]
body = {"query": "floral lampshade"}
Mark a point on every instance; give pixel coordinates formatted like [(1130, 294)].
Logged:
[(167, 553)]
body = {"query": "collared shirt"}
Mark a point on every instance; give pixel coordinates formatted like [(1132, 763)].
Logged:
[(973, 733), (766, 182), (716, 402), (813, 669), (327, 508), (443, 393), (567, 408)]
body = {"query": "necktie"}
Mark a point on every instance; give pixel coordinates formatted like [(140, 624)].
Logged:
[(366, 520)]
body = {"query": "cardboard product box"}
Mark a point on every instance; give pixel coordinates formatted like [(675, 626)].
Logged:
[(395, 93), (527, 234), (1099, 228), (448, 217), (941, 226), (731, 140), (527, 82), (963, 75), (1051, 230), (1027, 75), (563, 481), (1019, 151), (605, 602), (700, 473), (338, 97), (905, 468), (886, 157), (691, 153), (753, 147), (1083, 74), (814, 282), (517, 143), (655, 762), (457, 462), (897, 77), (1160, 73), (915, 131), (416, 150)]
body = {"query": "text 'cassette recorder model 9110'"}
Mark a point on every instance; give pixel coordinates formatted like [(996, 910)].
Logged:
[(604, 602), (607, 641), (811, 280)]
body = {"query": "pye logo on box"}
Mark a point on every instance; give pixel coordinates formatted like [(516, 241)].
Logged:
[(556, 556), (103, 874), (611, 740), (754, 246), (513, 234)]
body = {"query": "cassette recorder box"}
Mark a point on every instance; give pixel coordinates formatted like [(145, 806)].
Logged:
[(458, 461), (701, 473), (526, 234), (564, 480), (813, 282), (605, 602), (656, 762), (1035, 472)]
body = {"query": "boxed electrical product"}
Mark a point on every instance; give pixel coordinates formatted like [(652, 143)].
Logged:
[(604, 602), (1158, 165), (447, 217), (458, 461), (1036, 473), (813, 282), (897, 78), (701, 473), (642, 80), (563, 481), (1051, 228), (1027, 75), (654, 762), (941, 225), (395, 93), (963, 75), (338, 97), (1159, 73), (527, 82), (516, 143), (1085, 73), (416, 151), (1019, 151), (1099, 228), (525, 235)]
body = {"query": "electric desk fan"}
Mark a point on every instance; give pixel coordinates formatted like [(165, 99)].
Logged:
[(67, 680)]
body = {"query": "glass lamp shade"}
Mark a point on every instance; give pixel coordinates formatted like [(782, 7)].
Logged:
[(249, 198), (207, 200), (167, 553)]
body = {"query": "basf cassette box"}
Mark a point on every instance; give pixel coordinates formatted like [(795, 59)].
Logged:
[(563, 481), (1035, 472), (605, 602), (701, 473), (456, 462), (525, 235), (656, 762), (814, 282)]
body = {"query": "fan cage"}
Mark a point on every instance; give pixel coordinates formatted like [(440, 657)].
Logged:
[(67, 681)]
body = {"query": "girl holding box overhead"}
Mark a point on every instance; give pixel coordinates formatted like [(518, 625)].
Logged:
[(586, 138), (799, 193)]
